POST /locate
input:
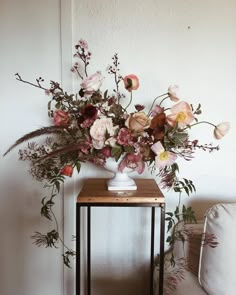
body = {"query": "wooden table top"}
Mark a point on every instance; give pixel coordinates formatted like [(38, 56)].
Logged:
[(95, 192)]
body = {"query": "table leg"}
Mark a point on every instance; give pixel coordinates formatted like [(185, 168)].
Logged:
[(77, 260), (152, 249), (89, 250), (162, 249)]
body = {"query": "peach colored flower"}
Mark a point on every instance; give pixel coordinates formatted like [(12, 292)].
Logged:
[(181, 113), (131, 82), (221, 129), (92, 83), (163, 158), (173, 92), (61, 118), (67, 170), (138, 121)]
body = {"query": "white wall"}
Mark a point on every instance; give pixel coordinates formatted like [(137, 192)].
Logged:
[(30, 45), (191, 43)]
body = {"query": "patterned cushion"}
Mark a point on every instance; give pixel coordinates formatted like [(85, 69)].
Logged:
[(217, 265)]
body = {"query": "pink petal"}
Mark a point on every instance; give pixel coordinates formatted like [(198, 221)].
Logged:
[(182, 106), (157, 148), (221, 130)]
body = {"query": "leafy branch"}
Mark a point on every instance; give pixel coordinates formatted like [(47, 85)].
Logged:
[(52, 238), (186, 215)]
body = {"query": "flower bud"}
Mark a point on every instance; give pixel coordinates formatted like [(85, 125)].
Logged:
[(221, 129)]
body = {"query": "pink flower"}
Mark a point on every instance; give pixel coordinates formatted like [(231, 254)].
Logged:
[(124, 137), (86, 145), (131, 82), (138, 121), (106, 151), (173, 92), (132, 161), (92, 83), (61, 118), (163, 158), (221, 129), (101, 130), (67, 170), (181, 114), (83, 44)]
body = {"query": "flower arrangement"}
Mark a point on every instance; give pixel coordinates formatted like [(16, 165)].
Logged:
[(94, 125)]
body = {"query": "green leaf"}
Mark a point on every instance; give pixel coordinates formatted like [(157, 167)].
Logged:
[(66, 258), (116, 152), (58, 105), (176, 213), (105, 94), (57, 184), (78, 166), (48, 240), (169, 213), (169, 226)]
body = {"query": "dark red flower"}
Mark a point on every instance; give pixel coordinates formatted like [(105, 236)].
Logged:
[(90, 112), (158, 126), (139, 107)]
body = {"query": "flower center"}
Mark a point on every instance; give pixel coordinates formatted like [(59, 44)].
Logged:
[(181, 117), (163, 156)]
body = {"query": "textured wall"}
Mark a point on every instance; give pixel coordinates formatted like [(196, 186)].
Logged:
[(190, 43)]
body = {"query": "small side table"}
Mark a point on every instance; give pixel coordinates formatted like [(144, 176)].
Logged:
[(95, 194)]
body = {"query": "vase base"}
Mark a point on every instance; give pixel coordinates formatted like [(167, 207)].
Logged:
[(121, 187), (121, 184)]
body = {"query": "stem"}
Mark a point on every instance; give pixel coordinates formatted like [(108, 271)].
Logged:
[(55, 219), (77, 71), (38, 85), (179, 199), (205, 122), (155, 101), (117, 87), (129, 101), (85, 70), (163, 100)]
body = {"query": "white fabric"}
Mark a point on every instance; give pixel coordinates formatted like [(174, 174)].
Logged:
[(217, 265)]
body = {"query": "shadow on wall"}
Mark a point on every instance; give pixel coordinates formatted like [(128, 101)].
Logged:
[(202, 204), (106, 285), (23, 265)]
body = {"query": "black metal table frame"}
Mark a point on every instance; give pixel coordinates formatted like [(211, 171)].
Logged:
[(78, 243)]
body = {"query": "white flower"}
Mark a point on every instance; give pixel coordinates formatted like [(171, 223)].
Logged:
[(99, 131), (221, 129), (163, 158), (111, 141), (173, 92), (92, 83)]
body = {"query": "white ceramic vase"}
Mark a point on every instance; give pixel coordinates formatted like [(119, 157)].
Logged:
[(121, 180)]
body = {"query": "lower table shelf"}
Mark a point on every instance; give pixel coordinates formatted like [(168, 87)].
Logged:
[(95, 194)]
